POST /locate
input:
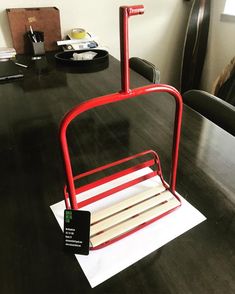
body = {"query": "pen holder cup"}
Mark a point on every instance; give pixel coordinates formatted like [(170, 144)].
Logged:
[(37, 43)]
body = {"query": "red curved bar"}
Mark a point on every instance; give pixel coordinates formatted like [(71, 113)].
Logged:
[(154, 162), (112, 98)]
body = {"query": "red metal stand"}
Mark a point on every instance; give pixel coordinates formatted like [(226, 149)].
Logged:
[(154, 162)]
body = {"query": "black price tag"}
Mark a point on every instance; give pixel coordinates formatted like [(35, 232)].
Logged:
[(77, 231)]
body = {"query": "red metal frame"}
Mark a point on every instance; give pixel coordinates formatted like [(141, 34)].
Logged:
[(154, 162), (125, 94)]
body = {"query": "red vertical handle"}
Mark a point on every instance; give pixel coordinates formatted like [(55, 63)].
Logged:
[(124, 13)]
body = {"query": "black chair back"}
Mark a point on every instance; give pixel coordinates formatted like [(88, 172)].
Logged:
[(215, 109)]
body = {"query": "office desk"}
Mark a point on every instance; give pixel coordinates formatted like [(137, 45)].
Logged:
[(32, 178)]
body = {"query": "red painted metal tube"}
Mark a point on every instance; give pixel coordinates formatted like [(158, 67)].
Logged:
[(124, 13), (154, 162), (112, 98), (124, 94)]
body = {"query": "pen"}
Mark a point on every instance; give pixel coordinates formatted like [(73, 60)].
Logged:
[(20, 64), (32, 34)]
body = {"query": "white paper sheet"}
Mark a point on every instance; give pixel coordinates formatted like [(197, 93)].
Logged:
[(104, 263)]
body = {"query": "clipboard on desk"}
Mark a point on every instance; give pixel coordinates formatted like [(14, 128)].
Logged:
[(9, 71)]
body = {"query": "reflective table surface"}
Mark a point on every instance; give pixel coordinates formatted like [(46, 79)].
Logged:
[(32, 178)]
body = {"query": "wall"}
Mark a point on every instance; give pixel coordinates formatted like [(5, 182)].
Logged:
[(157, 35), (221, 44)]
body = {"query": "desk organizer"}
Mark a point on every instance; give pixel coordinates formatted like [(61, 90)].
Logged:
[(38, 48), (128, 215)]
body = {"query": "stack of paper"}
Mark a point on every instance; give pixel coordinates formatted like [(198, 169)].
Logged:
[(70, 43), (104, 263), (7, 53)]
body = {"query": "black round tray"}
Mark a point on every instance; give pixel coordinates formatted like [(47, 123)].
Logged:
[(99, 62)]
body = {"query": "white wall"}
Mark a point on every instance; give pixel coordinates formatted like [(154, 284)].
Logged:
[(221, 45), (157, 35)]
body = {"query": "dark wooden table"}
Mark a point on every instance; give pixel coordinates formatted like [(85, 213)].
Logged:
[(32, 178)]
